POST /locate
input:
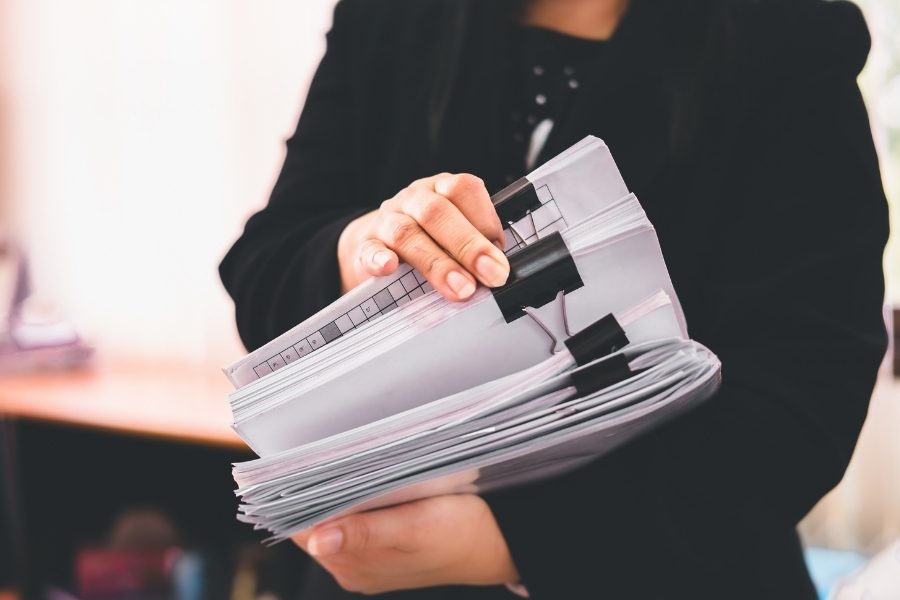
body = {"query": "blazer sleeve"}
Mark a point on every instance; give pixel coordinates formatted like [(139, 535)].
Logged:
[(284, 267), (795, 291)]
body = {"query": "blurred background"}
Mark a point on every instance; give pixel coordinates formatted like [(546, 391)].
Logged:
[(135, 139)]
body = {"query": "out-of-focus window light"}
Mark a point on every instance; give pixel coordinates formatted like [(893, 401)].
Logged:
[(880, 82), (138, 137), (861, 513)]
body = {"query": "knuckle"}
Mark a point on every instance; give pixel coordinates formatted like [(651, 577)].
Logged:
[(469, 180), (363, 532), (430, 210), (468, 247), (466, 183), (401, 198), (426, 182), (407, 193), (367, 249), (358, 533), (434, 264), (400, 229)]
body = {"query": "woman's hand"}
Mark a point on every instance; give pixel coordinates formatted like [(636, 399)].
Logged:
[(444, 226), (445, 540)]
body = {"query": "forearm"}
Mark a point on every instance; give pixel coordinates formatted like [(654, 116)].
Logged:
[(278, 279)]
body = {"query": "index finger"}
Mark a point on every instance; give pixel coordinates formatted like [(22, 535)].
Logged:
[(469, 194)]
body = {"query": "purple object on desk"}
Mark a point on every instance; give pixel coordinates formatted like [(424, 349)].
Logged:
[(29, 342)]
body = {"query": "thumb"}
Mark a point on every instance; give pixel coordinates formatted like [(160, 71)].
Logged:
[(359, 533), (352, 534), (376, 258), (326, 541)]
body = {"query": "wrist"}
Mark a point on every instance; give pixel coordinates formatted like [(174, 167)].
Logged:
[(490, 560)]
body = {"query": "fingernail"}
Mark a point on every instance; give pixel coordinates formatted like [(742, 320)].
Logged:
[(326, 542), (491, 271), (381, 258), (461, 285)]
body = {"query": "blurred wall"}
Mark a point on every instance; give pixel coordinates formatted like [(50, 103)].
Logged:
[(880, 83), (5, 60), (144, 132), (863, 512)]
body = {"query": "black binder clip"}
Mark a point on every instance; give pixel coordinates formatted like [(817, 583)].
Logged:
[(537, 274), (515, 201), (601, 375), (601, 338)]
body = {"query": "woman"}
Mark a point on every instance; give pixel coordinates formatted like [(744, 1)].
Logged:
[(740, 127)]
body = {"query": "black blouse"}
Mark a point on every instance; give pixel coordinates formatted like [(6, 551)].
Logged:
[(543, 79)]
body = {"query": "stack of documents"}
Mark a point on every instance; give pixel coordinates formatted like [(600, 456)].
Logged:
[(393, 393)]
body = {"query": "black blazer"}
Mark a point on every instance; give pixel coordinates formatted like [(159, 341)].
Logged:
[(771, 216)]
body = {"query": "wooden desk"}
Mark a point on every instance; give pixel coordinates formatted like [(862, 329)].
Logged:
[(135, 406), (171, 401)]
